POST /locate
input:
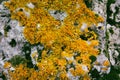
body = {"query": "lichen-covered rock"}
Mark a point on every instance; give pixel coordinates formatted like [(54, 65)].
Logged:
[(61, 39)]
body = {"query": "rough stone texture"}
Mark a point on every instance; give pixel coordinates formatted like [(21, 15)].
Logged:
[(108, 29), (15, 32)]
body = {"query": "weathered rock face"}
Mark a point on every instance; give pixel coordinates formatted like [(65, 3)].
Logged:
[(10, 34), (113, 29), (12, 39), (110, 37)]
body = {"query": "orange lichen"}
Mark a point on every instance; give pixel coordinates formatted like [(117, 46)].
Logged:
[(54, 34), (7, 65), (106, 63)]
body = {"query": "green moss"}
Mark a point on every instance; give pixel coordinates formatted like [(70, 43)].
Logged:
[(7, 28), (109, 13), (72, 65), (90, 29), (12, 43), (17, 59), (79, 61), (26, 49), (39, 50), (113, 75), (111, 31), (3, 76), (83, 37), (92, 58), (86, 36), (88, 3), (5, 15), (106, 44), (94, 74), (0, 34), (96, 15), (100, 0), (116, 45), (76, 24)]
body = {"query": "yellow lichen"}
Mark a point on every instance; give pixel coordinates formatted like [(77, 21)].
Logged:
[(7, 65), (106, 63), (41, 27)]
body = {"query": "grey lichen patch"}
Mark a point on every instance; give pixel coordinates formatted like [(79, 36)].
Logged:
[(113, 46), (58, 14), (113, 12)]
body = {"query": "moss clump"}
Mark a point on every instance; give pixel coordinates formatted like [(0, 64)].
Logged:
[(17, 60), (12, 43)]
